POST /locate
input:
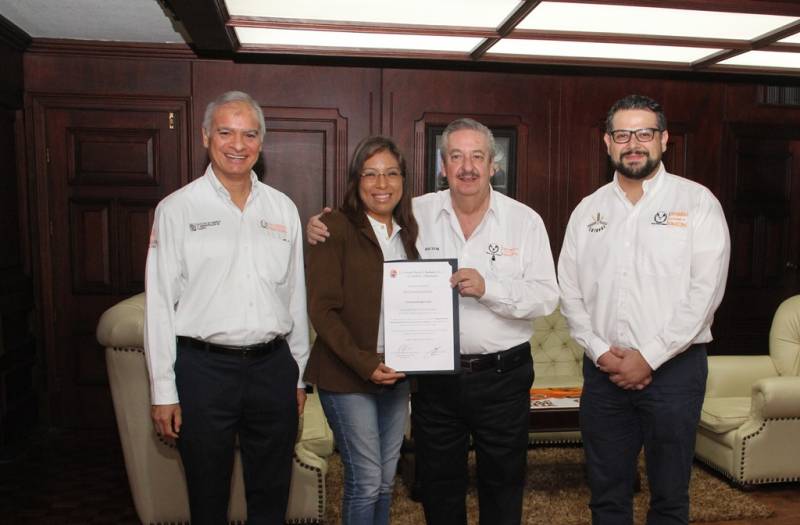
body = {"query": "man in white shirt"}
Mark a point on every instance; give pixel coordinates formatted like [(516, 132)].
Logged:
[(226, 329), (642, 270), (506, 277)]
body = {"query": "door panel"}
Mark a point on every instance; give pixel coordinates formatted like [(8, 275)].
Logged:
[(108, 163), (764, 192)]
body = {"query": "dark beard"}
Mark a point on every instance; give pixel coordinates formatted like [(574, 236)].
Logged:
[(637, 173)]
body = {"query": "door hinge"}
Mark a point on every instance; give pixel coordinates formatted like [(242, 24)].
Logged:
[(171, 120)]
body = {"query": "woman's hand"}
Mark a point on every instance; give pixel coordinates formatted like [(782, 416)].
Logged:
[(383, 375)]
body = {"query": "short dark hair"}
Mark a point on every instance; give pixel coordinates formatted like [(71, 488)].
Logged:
[(636, 102), (353, 206)]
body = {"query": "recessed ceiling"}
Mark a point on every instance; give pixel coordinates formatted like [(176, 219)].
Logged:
[(114, 20), (754, 36), (685, 34)]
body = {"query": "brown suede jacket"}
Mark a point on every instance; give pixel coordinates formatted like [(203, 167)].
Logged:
[(344, 278)]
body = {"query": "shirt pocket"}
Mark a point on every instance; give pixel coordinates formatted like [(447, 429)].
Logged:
[(663, 253), (274, 256)]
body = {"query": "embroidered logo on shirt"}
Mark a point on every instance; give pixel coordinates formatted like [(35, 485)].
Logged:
[(200, 226), (597, 224), (271, 226), (671, 218), (495, 250)]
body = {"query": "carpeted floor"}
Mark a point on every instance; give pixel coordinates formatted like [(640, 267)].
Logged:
[(557, 494)]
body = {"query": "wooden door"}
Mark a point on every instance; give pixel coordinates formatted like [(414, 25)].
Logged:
[(763, 191), (107, 164)]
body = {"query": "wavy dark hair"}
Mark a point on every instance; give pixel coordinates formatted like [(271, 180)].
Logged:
[(636, 102), (353, 207)]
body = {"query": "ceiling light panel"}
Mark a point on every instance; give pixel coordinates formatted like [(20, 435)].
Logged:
[(632, 52), (469, 13), (653, 21), (770, 59), (339, 39), (794, 39)]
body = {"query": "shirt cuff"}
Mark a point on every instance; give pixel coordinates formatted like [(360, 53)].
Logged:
[(654, 353), (597, 347), (164, 393), (491, 292)]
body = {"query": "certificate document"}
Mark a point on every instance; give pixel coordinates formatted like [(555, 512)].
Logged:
[(420, 316)]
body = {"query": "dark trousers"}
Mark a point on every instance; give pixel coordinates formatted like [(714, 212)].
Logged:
[(663, 417), (493, 408), (223, 396)]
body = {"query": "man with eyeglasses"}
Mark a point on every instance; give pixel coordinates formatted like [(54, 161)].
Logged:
[(642, 270)]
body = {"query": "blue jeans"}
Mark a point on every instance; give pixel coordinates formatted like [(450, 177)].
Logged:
[(368, 429)]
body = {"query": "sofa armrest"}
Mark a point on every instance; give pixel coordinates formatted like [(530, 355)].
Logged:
[(776, 397), (733, 375), (122, 325)]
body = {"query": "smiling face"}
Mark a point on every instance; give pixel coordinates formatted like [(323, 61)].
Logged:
[(381, 185), (468, 163), (636, 160), (233, 141)]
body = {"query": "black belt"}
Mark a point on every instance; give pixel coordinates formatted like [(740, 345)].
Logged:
[(245, 352), (500, 361)]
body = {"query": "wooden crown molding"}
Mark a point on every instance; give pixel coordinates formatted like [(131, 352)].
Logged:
[(57, 46)]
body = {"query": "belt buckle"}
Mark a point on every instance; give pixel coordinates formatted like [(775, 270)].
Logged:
[(247, 351), (470, 364)]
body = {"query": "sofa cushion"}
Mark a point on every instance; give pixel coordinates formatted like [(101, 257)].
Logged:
[(723, 414)]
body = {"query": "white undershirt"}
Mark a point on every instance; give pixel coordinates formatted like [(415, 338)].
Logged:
[(393, 250)]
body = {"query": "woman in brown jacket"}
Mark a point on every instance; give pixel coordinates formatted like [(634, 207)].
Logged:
[(365, 402)]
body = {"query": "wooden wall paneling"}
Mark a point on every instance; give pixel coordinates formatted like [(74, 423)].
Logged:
[(310, 107), (18, 398), (306, 148), (102, 164), (81, 75), (135, 220), (412, 98), (90, 246), (762, 191)]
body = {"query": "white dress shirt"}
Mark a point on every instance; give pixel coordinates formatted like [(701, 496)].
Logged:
[(393, 250), (223, 275), (510, 249), (647, 276)]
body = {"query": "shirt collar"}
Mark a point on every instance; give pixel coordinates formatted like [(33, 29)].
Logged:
[(222, 191), (380, 229), (648, 186), (446, 202)]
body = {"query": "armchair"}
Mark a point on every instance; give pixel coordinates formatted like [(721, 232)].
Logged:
[(751, 415), (155, 473)]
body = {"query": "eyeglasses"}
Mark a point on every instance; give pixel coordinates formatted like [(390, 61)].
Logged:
[(372, 175), (623, 136)]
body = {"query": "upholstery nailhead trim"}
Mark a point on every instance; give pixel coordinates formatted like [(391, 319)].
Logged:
[(739, 479), (141, 351), (743, 457), (318, 471)]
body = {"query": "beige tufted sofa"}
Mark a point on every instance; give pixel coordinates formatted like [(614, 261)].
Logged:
[(154, 470), (750, 424), (557, 362)]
